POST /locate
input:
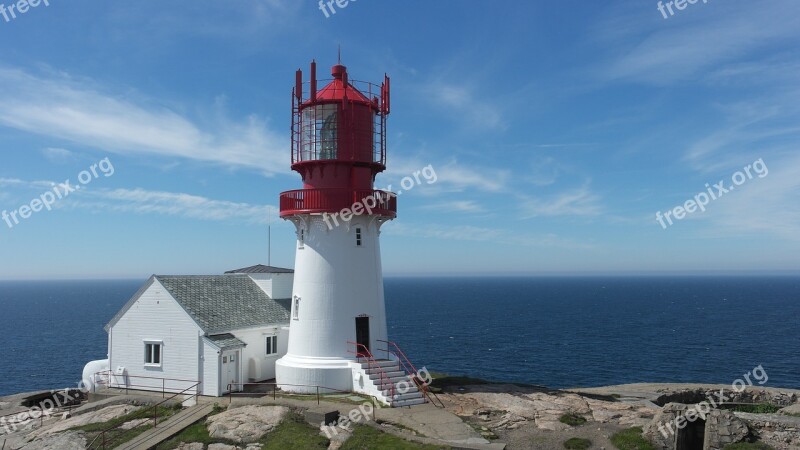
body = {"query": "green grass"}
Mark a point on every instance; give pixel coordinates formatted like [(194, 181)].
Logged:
[(294, 432), (197, 432), (577, 444), (572, 420), (118, 436), (631, 439), (367, 438), (748, 446), (761, 408)]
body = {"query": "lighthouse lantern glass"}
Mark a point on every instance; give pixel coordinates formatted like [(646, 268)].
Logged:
[(319, 136)]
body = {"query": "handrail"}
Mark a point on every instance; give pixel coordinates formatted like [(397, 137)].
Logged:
[(231, 393), (117, 384), (401, 356), (370, 362), (195, 386)]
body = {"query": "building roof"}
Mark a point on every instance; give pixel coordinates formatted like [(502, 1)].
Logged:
[(225, 302), (218, 303), (225, 341), (260, 268)]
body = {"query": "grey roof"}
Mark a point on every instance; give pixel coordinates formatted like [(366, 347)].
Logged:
[(226, 340), (260, 268), (221, 303)]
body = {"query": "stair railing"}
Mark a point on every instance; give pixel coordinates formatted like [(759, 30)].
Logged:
[(408, 367), (363, 352)]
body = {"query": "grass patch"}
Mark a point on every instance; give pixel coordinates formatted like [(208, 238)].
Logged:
[(631, 439), (577, 444), (294, 432), (197, 432), (761, 408), (367, 438), (748, 446), (572, 420)]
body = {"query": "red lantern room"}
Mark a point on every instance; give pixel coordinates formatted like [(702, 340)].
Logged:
[(338, 144)]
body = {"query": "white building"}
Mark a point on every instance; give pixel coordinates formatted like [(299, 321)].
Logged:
[(221, 331)]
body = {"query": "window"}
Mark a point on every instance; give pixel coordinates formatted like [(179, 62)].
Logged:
[(358, 237), (296, 309), (232, 358), (302, 241), (152, 353), (272, 345)]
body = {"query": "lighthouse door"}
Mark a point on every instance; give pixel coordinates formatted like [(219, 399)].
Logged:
[(362, 333)]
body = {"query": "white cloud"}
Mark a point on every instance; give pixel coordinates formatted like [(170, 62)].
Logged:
[(466, 206), (576, 202), (58, 155), (696, 40), (140, 201), (61, 107)]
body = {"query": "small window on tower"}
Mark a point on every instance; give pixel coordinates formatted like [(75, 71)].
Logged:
[(302, 241), (296, 309), (358, 237)]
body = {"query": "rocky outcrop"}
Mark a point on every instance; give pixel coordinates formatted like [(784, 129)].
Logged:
[(545, 409), (246, 424), (779, 431), (71, 440)]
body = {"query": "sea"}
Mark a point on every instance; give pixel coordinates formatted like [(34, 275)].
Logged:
[(553, 331)]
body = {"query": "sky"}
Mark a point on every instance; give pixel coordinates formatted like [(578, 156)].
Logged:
[(566, 137)]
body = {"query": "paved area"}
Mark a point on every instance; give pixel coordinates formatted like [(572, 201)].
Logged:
[(169, 428)]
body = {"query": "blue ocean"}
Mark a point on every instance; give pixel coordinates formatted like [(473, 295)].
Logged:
[(558, 332)]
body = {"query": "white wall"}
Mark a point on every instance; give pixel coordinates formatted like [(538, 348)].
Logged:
[(282, 285), (257, 365), (275, 285), (210, 369), (156, 316), (336, 281)]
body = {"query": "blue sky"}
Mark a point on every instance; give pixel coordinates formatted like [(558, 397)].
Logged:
[(557, 130)]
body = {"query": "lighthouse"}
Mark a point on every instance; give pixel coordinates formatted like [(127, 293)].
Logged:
[(338, 316)]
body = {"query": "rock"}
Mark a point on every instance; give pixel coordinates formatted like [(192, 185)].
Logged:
[(246, 424), (72, 440), (134, 423), (791, 409), (102, 415), (223, 447), (723, 428), (191, 446)]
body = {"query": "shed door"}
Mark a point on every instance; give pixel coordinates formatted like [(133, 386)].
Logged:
[(230, 371)]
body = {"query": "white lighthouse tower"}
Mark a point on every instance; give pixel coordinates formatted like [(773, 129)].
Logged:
[(338, 313)]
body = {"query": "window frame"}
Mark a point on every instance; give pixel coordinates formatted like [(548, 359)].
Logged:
[(271, 344), (296, 308), (359, 237), (150, 355)]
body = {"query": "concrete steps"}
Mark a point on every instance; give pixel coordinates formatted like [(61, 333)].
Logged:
[(394, 385)]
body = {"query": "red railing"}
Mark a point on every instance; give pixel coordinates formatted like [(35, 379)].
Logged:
[(334, 200), (363, 352), (408, 368)]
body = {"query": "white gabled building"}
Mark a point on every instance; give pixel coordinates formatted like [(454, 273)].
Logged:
[(220, 330)]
